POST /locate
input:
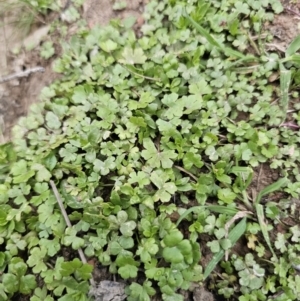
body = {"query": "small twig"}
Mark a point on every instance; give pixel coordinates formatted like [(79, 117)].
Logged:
[(61, 205), (290, 125), (67, 220), (278, 47), (187, 172), (292, 111), (262, 36), (21, 74), (292, 11)]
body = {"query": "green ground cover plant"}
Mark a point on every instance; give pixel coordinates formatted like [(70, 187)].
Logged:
[(154, 142)]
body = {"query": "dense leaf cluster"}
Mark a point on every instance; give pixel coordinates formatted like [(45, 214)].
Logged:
[(137, 131)]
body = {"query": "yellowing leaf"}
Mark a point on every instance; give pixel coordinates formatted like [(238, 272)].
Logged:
[(251, 241)]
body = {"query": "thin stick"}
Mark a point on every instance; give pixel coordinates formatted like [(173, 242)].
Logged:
[(292, 11), (290, 125), (21, 74), (187, 172), (276, 46), (67, 220)]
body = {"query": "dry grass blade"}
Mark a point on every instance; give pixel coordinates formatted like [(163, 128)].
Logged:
[(21, 74), (234, 218)]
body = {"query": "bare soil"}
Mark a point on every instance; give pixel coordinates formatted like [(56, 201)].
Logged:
[(285, 26)]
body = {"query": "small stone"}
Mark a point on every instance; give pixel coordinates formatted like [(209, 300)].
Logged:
[(201, 294), (108, 291)]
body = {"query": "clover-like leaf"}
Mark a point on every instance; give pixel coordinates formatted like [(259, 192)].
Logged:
[(71, 239), (132, 56), (27, 284), (127, 228), (142, 292), (157, 158), (10, 282), (166, 189), (173, 238), (173, 255), (53, 121), (191, 159), (41, 295), (200, 88), (36, 259), (52, 246), (139, 177), (68, 152), (104, 167), (42, 174), (147, 249), (226, 195), (128, 271), (21, 172), (108, 45), (76, 267)]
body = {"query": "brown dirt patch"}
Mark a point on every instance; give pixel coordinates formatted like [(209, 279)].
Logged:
[(264, 176), (16, 96), (102, 11), (285, 26)]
